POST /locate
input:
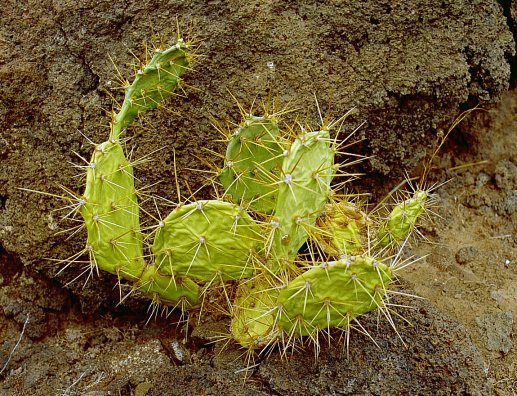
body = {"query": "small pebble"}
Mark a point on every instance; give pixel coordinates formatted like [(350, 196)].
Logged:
[(466, 255)]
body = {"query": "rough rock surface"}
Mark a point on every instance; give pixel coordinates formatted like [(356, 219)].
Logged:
[(433, 356)]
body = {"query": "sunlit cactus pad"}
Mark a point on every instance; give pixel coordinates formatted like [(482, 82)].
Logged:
[(332, 294), (307, 171), (207, 240)]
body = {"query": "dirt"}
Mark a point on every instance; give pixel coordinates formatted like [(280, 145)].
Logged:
[(471, 267), (409, 67)]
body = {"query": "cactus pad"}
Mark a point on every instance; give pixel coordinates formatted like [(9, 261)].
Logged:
[(168, 290), (332, 295), (402, 219), (253, 161), (207, 240), (153, 83), (341, 229), (111, 213), (307, 171)]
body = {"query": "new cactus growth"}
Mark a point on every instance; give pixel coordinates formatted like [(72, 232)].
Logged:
[(402, 219), (301, 260), (342, 229), (253, 322)]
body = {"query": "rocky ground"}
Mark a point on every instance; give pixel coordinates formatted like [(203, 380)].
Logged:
[(409, 67)]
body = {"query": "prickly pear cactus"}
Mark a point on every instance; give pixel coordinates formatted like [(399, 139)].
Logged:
[(294, 257)]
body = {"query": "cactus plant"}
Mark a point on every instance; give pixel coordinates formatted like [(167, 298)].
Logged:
[(302, 259)]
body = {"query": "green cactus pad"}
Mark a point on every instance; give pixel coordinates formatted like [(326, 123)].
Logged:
[(111, 214), (153, 84), (207, 240), (253, 317), (402, 219), (252, 165), (332, 295), (307, 171), (168, 290)]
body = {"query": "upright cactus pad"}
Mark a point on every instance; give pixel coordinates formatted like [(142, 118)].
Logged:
[(109, 205), (207, 240), (252, 165), (111, 213), (153, 83), (304, 190)]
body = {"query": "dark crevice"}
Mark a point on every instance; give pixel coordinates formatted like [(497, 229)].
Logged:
[(10, 266), (506, 5), (266, 385)]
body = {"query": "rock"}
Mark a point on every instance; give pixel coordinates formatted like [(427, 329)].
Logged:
[(508, 204), (436, 357), (506, 175), (497, 330), (466, 254)]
